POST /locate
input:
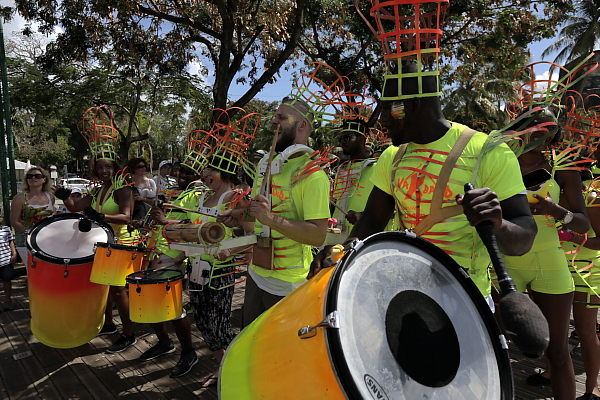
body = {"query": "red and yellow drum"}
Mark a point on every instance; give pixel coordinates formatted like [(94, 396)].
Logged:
[(397, 319), (114, 262), (155, 295), (67, 310)]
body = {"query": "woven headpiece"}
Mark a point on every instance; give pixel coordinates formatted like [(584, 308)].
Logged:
[(98, 129), (409, 32), (582, 126), (321, 98), (199, 146)]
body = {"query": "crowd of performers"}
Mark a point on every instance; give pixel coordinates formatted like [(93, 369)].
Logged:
[(547, 228)]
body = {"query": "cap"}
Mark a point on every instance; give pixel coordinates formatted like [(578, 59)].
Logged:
[(75, 190), (163, 163)]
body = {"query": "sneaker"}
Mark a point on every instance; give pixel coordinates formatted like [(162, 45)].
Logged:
[(8, 305), (121, 344), (108, 329), (158, 350), (588, 396), (185, 364)]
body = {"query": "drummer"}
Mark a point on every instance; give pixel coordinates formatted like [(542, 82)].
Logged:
[(416, 119), (174, 259), (297, 216), (111, 203)]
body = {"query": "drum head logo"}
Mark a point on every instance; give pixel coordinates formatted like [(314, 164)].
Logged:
[(375, 388)]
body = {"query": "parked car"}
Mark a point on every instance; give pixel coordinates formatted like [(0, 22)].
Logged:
[(81, 183)]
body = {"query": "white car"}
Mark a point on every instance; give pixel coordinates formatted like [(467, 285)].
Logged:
[(80, 183)]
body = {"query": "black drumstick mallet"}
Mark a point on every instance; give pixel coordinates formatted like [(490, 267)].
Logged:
[(521, 317), (85, 224)]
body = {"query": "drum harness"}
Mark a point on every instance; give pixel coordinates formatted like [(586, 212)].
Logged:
[(437, 213)]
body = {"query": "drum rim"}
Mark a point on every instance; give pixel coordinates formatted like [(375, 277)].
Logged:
[(117, 246), (148, 281), (36, 252), (332, 336)]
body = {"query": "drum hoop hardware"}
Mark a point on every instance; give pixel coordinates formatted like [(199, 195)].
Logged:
[(133, 256), (66, 261), (108, 252), (330, 321)]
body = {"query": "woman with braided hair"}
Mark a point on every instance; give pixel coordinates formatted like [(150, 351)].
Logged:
[(111, 203)]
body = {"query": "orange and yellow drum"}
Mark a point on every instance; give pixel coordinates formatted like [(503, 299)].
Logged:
[(114, 262), (67, 310), (155, 295), (396, 319)]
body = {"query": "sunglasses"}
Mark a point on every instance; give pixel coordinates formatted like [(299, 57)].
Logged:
[(398, 110), (347, 138), (142, 166), (36, 176)]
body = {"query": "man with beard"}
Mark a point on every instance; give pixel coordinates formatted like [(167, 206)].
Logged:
[(406, 177), (174, 259), (296, 216), (352, 184)]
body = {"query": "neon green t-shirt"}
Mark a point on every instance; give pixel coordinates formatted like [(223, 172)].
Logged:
[(352, 182), (187, 199), (414, 181), (305, 200)]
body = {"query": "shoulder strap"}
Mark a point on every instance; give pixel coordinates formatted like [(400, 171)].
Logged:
[(395, 162), (438, 213)]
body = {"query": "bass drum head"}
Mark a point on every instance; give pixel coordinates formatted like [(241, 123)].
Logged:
[(58, 238), (413, 326)]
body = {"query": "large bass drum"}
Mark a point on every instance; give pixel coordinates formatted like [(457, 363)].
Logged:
[(67, 310), (397, 319)]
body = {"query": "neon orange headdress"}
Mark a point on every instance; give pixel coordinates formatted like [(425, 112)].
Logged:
[(98, 129)]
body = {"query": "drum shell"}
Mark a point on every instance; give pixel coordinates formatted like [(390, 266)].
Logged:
[(113, 263), (271, 345), (66, 311), (155, 302)]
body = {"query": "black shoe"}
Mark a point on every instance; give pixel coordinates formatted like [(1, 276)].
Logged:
[(589, 396), (121, 344), (574, 335), (158, 350), (108, 329), (185, 364), (537, 380)]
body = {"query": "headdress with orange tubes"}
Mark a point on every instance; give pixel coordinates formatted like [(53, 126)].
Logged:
[(582, 126), (98, 129), (200, 145), (409, 32)]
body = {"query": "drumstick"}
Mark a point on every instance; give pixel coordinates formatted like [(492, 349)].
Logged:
[(170, 205), (522, 318), (338, 207), (267, 176)]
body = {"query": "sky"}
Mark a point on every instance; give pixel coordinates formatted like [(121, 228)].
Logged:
[(272, 92)]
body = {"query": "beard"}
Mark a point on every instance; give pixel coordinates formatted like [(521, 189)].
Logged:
[(287, 138)]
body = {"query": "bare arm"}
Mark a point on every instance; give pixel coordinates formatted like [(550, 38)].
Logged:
[(16, 209), (514, 227), (591, 243), (311, 232), (570, 182), (79, 205)]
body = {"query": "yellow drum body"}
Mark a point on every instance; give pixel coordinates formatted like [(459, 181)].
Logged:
[(67, 310), (269, 360), (114, 262), (155, 295), (396, 319)]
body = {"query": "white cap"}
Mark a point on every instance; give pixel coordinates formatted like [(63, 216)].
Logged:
[(75, 190), (163, 163)]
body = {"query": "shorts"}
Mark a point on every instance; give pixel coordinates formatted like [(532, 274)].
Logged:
[(6, 272), (544, 271)]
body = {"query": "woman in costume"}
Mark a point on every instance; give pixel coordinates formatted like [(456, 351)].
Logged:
[(111, 203), (34, 203), (544, 270)]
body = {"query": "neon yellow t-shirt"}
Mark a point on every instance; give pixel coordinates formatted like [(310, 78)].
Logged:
[(352, 181), (308, 199), (187, 199), (414, 181)]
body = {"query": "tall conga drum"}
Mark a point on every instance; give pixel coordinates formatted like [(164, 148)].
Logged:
[(67, 310), (396, 319)]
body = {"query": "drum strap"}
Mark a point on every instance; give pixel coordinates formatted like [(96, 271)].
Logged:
[(437, 212)]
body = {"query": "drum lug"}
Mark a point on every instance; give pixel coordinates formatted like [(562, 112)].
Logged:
[(66, 261), (330, 321), (133, 256), (108, 252), (32, 263)]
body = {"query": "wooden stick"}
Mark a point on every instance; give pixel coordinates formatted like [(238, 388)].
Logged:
[(267, 176), (170, 205), (338, 207)]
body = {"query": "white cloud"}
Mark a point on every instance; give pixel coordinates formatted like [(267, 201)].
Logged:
[(542, 81), (18, 23)]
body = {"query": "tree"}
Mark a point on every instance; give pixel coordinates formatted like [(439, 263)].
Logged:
[(165, 36), (579, 37)]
